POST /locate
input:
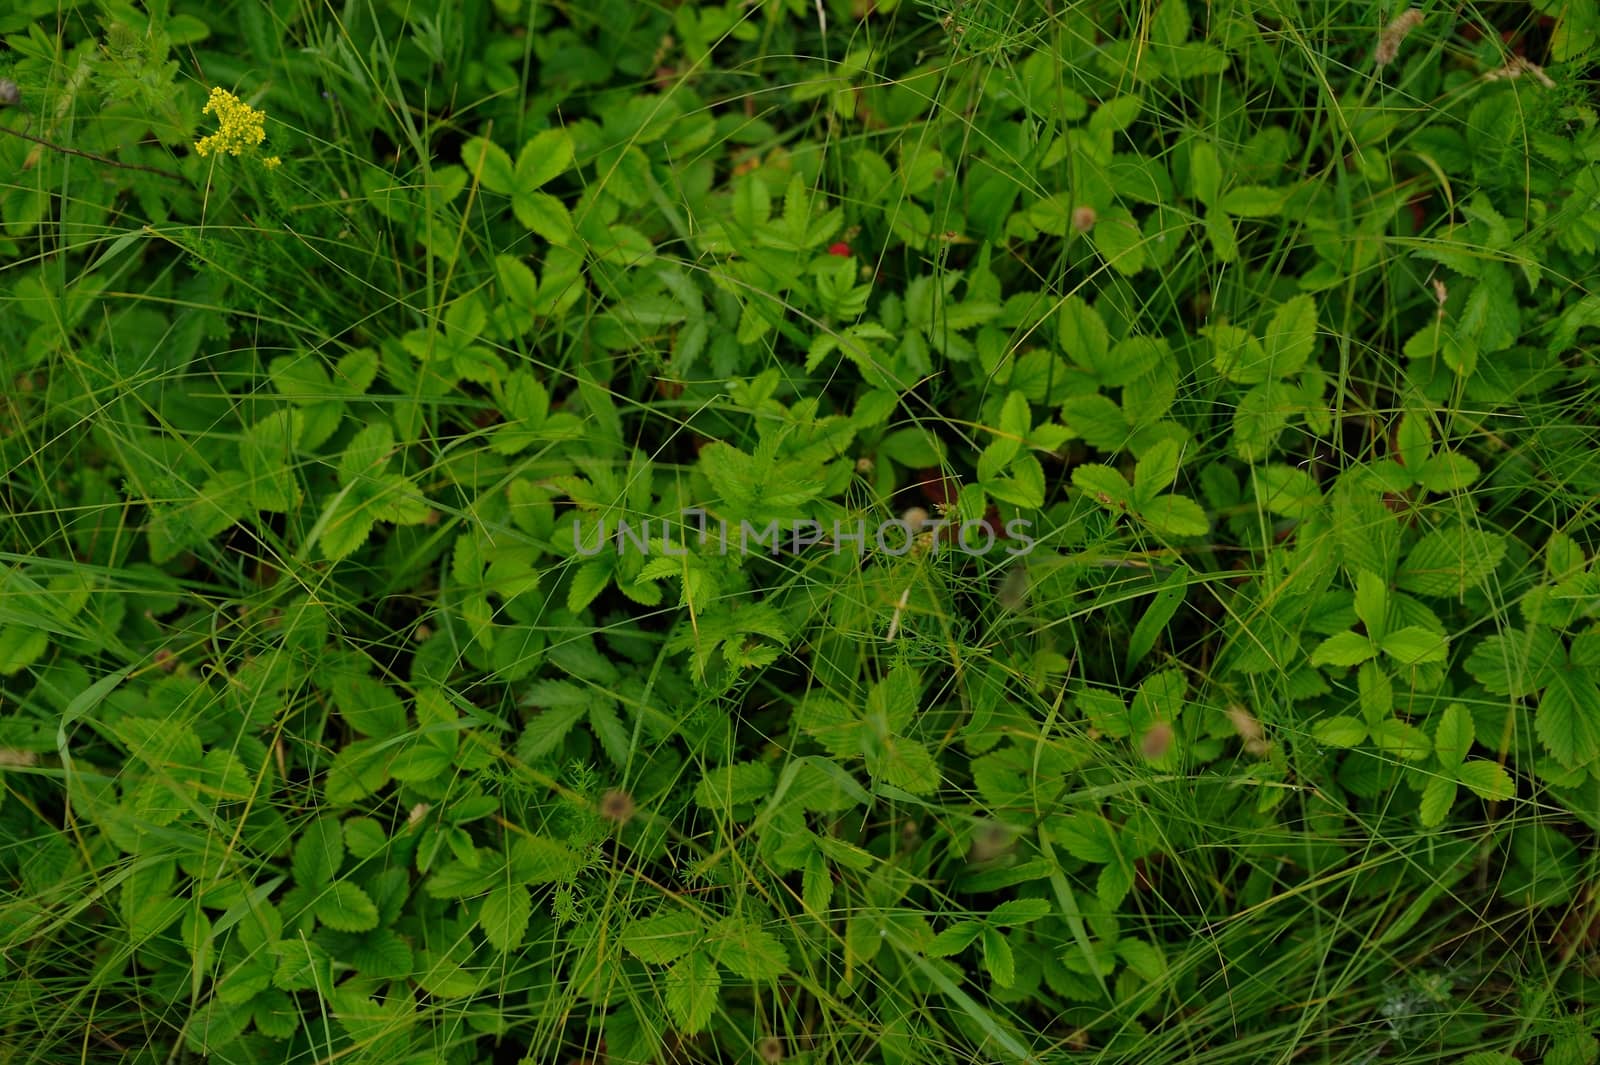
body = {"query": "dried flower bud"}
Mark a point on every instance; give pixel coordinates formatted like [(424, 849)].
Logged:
[(1249, 730), (1394, 33), (1013, 591), (617, 806), (1157, 741), (10, 94), (990, 841), (1517, 66), (1083, 218)]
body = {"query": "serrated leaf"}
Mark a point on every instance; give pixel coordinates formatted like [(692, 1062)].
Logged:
[(1375, 691), (1175, 515), (816, 885), (1568, 719), (589, 580), (1451, 560), (1403, 739), (953, 940), (1291, 336), (1117, 238), (1517, 663), (547, 154), (344, 907), (610, 731), (831, 724), (664, 938), (1205, 173), (1019, 911), (358, 770), (1452, 737), (489, 164), (692, 986), (1157, 468), (1487, 780), (1414, 645), (1087, 837), (382, 955), (544, 732), (904, 764), (1438, 795), (537, 860), (1113, 884), (727, 786), (998, 958), (1253, 201), (1448, 472), (1236, 354), (1372, 603), (20, 647), (1083, 334), (1102, 483), (517, 281), (302, 966), (747, 949), (347, 525), (1222, 234), (504, 916), (1339, 731), (1287, 491), (1260, 418), (318, 852), (543, 214), (1343, 649)]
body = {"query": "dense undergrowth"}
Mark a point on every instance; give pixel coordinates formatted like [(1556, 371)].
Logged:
[(1246, 709)]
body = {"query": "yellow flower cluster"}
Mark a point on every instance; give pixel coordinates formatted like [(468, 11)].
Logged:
[(239, 126)]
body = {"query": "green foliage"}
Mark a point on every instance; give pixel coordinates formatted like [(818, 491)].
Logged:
[(818, 531)]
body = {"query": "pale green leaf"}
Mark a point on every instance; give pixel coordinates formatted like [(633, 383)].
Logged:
[(547, 154), (504, 916), (691, 991), (664, 938), (1339, 731), (747, 949), (1453, 736), (1451, 560), (1438, 795), (1414, 645), (344, 907), (1343, 649), (1487, 780), (1568, 720)]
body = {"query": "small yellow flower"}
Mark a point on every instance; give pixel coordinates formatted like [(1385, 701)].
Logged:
[(271, 162), (239, 126)]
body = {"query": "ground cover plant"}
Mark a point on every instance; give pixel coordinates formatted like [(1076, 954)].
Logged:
[(799, 531)]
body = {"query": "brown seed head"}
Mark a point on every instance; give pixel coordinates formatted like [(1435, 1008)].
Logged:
[(1157, 741), (1249, 730), (990, 841), (617, 806), (1393, 34)]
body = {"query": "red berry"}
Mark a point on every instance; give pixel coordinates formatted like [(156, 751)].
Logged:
[(841, 249)]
